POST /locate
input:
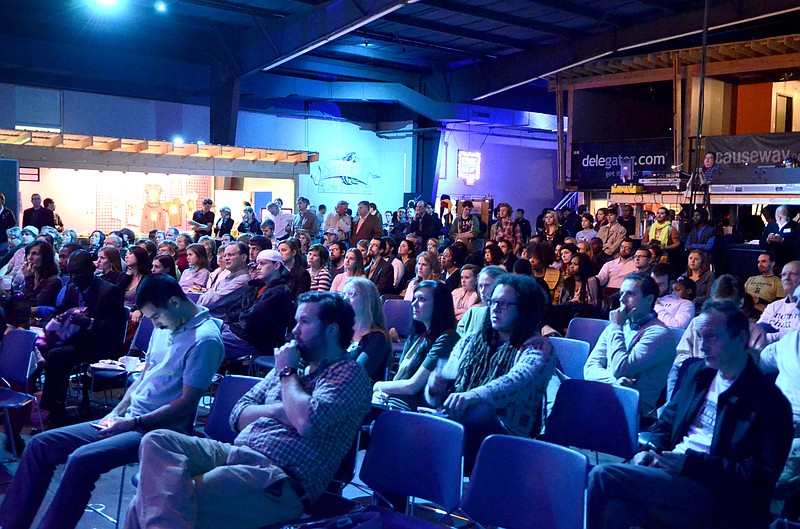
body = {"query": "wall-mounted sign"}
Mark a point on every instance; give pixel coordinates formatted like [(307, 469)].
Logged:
[(469, 167), (598, 165)]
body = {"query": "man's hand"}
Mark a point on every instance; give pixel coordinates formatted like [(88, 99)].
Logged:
[(115, 425), (456, 404), (672, 462), (136, 315), (287, 355), (626, 382), (618, 316), (644, 459), (80, 319)]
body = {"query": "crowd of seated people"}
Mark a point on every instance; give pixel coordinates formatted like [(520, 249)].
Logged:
[(481, 299)]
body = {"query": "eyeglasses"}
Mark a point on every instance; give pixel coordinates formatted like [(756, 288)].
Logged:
[(501, 304)]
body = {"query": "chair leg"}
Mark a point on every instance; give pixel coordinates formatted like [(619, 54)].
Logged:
[(119, 501), (10, 435)]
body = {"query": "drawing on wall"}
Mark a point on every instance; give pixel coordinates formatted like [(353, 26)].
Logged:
[(349, 174)]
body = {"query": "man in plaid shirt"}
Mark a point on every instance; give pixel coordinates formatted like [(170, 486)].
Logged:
[(295, 426)]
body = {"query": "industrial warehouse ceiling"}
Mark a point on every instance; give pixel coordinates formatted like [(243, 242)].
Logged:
[(297, 53)]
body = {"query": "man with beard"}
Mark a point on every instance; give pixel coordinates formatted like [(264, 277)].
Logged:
[(295, 426)]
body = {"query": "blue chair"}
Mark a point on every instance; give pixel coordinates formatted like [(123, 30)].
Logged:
[(586, 329), (194, 296), (572, 355), (15, 359), (397, 313), (595, 416), (230, 390), (414, 454), (141, 340), (526, 484), (677, 333)]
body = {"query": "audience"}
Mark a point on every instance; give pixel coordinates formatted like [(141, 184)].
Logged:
[(297, 422), (716, 451)]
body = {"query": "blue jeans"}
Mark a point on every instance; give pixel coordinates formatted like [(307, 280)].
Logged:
[(622, 496), (86, 457)]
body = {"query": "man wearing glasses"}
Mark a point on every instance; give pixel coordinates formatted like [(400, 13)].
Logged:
[(780, 317), (495, 378), (227, 294)]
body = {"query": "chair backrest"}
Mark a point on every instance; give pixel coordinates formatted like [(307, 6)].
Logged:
[(677, 333), (194, 296), (15, 356), (595, 416), (230, 390), (586, 329), (521, 483), (141, 340), (413, 454), (572, 355), (398, 315)]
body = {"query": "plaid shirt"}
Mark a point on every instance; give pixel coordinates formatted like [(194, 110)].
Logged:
[(507, 229), (340, 398)]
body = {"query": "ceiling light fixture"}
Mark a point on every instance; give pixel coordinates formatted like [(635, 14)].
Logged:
[(160, 6)]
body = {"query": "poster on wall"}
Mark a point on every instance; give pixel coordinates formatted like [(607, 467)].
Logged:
[(349, 174), (754, 149), (599, 165)]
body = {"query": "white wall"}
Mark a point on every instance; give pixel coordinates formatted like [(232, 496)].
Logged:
[(518, 171), (379, 169)]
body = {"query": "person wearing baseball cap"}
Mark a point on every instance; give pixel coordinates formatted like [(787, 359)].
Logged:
[(262, 326), (224, 224), (203, 220)]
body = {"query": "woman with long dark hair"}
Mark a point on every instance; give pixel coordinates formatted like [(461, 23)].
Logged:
[(581, 294), (299, 278), (164, 264), (138, 262), (431, 340), (42, 284), (96, 241), (495, 379)]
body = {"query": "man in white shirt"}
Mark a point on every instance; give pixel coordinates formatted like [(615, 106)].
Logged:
[(779, 317), (783, 357), (339, 220), (672, 310), (613, 272), (283, 221)]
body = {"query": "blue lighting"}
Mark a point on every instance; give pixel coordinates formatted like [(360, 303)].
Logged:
[(107, 3), (177, 140), (160, 6)]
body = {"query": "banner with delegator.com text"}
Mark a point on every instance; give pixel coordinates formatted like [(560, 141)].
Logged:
[(599, 165), (754, 149)]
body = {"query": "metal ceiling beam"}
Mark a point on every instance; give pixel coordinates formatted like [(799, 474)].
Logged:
[(582, 10), (480, 36), (491, 77), (281, 40), (322, 65), (503, 18)]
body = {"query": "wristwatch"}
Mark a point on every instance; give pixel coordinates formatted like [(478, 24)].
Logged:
[(287, 371), (137, 422)]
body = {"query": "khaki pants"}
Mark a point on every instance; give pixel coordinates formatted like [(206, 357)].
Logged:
[(190, 482)]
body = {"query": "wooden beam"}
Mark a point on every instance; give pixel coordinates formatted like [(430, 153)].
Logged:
[(754, 64), (625, 78)]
